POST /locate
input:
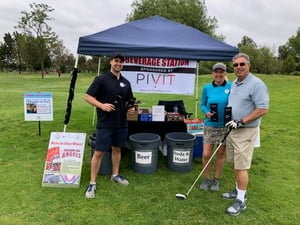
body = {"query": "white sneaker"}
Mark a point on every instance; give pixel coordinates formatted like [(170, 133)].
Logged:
[(120, 179), (90, 191), (236, 208)]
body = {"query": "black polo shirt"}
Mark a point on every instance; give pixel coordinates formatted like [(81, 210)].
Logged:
[(108, 89)]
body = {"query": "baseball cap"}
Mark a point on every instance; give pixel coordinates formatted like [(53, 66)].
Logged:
[(219, 66), (118, 55)]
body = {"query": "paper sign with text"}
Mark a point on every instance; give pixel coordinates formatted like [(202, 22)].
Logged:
[(64, 160), (158, 75), (38, 106)]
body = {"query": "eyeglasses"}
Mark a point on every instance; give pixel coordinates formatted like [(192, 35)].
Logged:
[(237, 64)]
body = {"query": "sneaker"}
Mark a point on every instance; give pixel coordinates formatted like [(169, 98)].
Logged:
[(204, 185), (90, 191), (214, 185), (120, 179), (230, 195), (236, 208)]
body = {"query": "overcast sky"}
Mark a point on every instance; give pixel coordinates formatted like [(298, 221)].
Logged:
[(268, 23)]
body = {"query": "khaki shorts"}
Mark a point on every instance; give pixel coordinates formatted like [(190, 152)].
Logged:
[(239, 147)]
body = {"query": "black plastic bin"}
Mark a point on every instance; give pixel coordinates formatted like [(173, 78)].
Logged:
[(106, 164), (144, 152), (180, 147)]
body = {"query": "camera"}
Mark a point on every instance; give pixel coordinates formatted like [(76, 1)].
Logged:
[(130, 103), (117, 100)]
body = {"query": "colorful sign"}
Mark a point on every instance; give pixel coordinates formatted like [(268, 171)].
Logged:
[(38, 106), (158, 75), (64, 160)]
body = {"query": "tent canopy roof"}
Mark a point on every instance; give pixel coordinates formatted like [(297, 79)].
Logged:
[(156, 37)]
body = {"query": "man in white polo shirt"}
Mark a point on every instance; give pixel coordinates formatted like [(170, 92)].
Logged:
[(249, 99)]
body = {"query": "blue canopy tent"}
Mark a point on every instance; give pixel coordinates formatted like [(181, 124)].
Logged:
[(154, 37)]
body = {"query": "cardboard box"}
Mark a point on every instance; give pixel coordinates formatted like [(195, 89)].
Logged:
[(195, 128), (194, 125), (133, 117), (144, 110), (174, 117)]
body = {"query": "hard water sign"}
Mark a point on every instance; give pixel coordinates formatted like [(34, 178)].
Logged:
[(181, 156)]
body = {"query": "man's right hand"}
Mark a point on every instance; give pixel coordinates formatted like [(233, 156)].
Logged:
[(234, 124)]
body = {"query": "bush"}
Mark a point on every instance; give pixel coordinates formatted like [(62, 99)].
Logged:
[(295, 73)]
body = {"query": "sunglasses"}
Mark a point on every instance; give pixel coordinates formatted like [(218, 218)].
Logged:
[(237, 64)]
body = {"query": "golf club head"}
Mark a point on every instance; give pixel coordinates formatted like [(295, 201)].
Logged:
[(180, 196)]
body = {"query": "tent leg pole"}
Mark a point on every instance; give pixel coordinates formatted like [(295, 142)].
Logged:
[(197, 88), (94, 113)]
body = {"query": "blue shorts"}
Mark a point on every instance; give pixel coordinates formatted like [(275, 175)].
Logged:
[(107, 137)]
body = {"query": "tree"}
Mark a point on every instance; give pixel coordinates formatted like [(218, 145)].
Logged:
[(60, 57), (189, 12), (289, 64), (262, 58), (34, 23), (20, 50), (7, 52), (247, 41), (294, 46), (265, 61)]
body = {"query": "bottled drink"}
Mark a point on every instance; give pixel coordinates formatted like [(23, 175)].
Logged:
[(175, 109)]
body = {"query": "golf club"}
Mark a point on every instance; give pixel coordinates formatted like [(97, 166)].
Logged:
[(182, 196)]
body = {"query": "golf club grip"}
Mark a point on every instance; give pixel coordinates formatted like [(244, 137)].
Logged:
[(224, 138), (202, 171)]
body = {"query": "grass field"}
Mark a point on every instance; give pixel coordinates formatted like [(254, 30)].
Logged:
[(273, 193)]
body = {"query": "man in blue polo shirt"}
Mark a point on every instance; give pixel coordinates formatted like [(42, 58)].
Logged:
[(249, 99), (110, 94)]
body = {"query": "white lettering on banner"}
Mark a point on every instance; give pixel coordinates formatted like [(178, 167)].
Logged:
[(181, 156), (157, 75), (157, 62), (143, 157)]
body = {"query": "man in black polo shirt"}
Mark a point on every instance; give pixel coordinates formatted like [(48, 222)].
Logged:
[(110, 94)]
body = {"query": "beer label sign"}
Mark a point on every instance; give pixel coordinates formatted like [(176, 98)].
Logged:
[(64, 160), (142, 157)]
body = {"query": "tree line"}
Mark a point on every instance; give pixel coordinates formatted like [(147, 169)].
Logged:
[(35, 47)]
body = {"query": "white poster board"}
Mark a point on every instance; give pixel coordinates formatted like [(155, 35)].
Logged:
[(158, 113), (158, 75), (38, 106), (64, 160)]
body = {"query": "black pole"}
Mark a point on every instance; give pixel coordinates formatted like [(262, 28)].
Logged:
[(40, 128), (71, 96)]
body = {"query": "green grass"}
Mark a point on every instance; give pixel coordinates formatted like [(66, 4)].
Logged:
[(273, 193)]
